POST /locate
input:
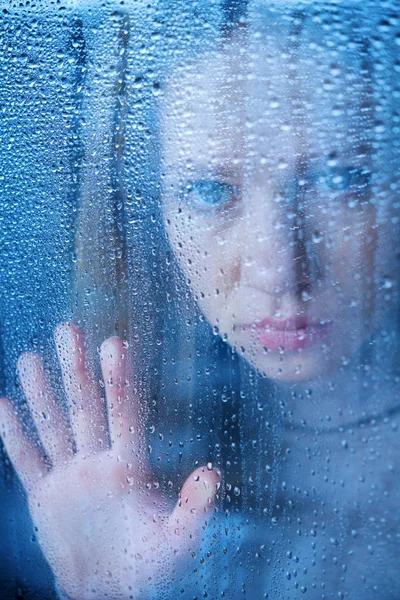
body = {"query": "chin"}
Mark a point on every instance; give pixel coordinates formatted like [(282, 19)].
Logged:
[(291, 366), (291, 369)]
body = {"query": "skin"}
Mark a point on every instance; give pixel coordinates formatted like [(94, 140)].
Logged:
[(282, 244), (269, 252), (277, 249), (95, 490)]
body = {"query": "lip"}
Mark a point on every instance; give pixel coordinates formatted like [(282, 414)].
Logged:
[(290, 334)]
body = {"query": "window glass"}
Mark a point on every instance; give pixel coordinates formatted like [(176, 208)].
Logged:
[(199, 289)]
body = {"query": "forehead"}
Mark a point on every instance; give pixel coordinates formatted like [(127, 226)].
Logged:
[(256, 95)]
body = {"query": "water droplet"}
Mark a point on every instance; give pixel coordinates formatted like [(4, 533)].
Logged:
[(317, 237), (386, 283)]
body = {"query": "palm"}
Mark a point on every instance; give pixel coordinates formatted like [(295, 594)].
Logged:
[(91, 502), (100, 521)]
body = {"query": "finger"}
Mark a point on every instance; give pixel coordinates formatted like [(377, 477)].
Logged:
[(51, 423), (195, 500), (88, 420), (124, 420), (24, 454)]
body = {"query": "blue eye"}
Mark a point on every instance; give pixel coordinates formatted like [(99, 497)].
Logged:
[(207, 193), (346, 179)]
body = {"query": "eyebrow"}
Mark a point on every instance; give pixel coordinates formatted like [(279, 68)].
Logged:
[(220, 170), (225, 167)]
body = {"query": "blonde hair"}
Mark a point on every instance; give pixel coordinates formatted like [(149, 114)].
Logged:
[(100, 292)]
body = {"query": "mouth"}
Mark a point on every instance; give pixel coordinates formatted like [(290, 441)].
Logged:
[(289, 334)]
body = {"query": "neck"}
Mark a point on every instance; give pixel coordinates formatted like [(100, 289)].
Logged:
[(356, 393)]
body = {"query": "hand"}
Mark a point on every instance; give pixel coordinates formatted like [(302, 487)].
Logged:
[(100, 521)]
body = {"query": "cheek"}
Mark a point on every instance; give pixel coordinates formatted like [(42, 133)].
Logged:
[(209, 257), (352, 258)]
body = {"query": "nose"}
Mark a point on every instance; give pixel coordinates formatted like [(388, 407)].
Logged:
[(280, 256)]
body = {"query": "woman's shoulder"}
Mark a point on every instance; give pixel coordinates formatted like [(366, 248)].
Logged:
[(231, 559)]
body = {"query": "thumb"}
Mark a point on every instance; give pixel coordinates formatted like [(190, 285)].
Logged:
[(196, 498)]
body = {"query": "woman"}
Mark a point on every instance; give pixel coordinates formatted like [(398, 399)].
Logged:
[(278, 198)]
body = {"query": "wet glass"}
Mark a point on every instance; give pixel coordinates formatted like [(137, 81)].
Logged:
[(199, 299)]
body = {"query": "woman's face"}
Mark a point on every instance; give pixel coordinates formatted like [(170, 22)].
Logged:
[(270, 207)]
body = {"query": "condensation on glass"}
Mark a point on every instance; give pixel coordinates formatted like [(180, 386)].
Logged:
[(199, 299)]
